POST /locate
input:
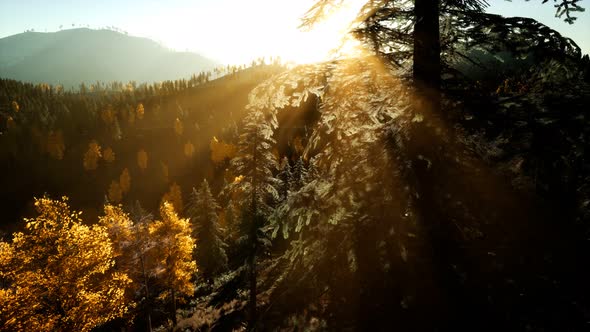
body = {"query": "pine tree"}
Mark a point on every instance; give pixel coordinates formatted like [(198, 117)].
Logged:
[(286, 177), (254, 165), (299, 174), (202, 212)]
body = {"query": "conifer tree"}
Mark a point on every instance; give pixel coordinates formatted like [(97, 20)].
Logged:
[(254, 165), (202, 211), (286, 177)]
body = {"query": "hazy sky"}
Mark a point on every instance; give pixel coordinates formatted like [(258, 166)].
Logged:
[(230, 31)]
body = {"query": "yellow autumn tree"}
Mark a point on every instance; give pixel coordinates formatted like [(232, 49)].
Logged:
[(125, 181), (174, 196), (92, 155), (10, 124), (57, 275), (15, 106), (115, 193), (55, 144), (189, 149), (174, 252), (108, 155), (142, 159), (178, 127), (134, 255), (221, 151), (140, 111), (108, 115)]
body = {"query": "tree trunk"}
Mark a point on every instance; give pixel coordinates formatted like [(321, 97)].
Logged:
[(252, 302), (173, 292), (426, 68)]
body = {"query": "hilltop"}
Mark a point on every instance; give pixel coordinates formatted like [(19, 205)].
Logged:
[(69, 57)]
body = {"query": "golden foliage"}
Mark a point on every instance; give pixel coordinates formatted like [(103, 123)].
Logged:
[(115, 192), (15, 106), (142, 159), (174, 251), (108, 115), (10, 124), (221, 151), (125, 181), (55, 145), (140, 111), (178, 127), (108, 155), (92, 155), (57, 275), (174, 196), (189, 149)]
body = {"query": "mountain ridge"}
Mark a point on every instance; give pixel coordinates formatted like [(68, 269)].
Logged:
[(70, 57)]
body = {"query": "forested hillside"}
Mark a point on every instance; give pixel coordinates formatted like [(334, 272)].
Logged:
[(437, 179)]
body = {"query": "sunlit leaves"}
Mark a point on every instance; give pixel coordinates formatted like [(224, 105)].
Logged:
[(59, 274), (92, 156), (221, 151), (174, 197), (15, 106), (142, 159), (140, 111), (10, 124), (189, 149), (55, 145), (174, 252), (108, 155)]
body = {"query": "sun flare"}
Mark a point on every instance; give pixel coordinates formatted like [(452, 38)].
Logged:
[(328, 39)]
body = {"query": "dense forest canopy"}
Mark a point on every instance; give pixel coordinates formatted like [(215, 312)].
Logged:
[(435, 179)]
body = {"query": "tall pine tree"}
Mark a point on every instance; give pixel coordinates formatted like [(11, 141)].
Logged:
[(257, 187), (210, 253)]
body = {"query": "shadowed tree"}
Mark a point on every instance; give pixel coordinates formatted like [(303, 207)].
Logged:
[(210, 253)]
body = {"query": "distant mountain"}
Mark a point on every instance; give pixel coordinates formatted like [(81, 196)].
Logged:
[(70, 57)]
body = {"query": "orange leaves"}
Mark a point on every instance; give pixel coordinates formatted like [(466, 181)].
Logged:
[(58, 259), (140, 111), (55, 145), (174, 251), (108, 155), (174, 196), (221, 151), (92, 155), (189, 149), (15, 106), (142, 159)]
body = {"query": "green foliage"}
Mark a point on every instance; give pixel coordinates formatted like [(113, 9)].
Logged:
[(203, 213)]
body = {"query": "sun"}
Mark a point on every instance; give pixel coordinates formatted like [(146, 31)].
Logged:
[(328, 39)]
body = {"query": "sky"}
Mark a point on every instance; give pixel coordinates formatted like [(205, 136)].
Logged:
[(229, 31)]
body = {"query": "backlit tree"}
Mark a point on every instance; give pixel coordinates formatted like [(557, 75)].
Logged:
[(58, 274)]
